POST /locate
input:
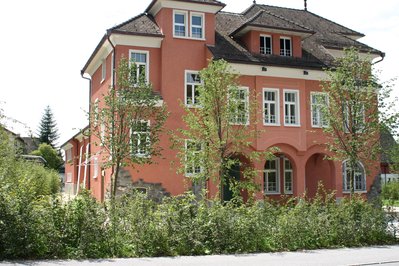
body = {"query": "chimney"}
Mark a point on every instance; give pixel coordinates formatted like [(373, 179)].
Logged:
[(306, 5), (254, 2)]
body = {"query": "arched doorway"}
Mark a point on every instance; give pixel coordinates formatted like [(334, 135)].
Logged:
[(319, 170)]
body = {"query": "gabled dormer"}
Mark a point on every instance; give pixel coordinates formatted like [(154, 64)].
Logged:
[(269, 34), (186, 19)]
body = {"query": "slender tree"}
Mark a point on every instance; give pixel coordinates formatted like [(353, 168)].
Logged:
[(219, 130), (128, 121), (352, 115), (48, 132)]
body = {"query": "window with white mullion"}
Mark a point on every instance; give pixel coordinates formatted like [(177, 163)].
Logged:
[(271, 106), (271, 177), (140, 71), (241, 106), (265, 44), (291, 107), (288, 177), (192, 157), (193, 81), (197, 25), (180, 24), (359, 177), (285, 46), (319, 101), (140, 138)]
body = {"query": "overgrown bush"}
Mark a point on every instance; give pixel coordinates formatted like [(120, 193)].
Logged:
[(390, 191)]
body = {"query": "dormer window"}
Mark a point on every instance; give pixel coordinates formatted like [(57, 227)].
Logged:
[(265, 44), (180, 24), (285, 46)]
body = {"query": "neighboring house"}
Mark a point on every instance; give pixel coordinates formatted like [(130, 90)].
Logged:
[(388, 143), (24, 145), (280, 54), (77, 169)]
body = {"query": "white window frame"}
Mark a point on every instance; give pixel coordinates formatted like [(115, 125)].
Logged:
[(102, 134), (277, 104), (346, 117), (180, 12), (103, 70), (95, 167), (138, 64), (297, 108), (136, 136), (193, 104), (68, 177), (266, 179), (96, 110), (264, 36), (283, 50), (346, 186), (68, 155), (291, 171), (317, 106), (202, 27), (234, 120), (192, 171)]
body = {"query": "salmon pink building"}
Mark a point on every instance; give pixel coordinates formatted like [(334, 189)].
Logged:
[(280, 54)]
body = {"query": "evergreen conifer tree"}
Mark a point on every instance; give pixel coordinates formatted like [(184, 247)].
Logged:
[(48, 132)]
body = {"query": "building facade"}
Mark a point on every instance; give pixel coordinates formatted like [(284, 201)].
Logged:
[(280, 54)]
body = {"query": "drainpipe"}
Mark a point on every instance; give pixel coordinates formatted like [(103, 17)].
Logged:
[(79, 169), (89, 79)]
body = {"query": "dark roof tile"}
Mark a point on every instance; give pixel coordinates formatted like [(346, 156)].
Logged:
[(142, 25)]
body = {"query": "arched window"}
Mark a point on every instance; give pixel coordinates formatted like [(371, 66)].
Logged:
[(359, 182)]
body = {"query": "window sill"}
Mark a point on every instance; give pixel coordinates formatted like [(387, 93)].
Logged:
[(321, 127), (356, 192), (188, 38), (272, 193), (292, 125), (289, 193), (272, 125), (192, 106)]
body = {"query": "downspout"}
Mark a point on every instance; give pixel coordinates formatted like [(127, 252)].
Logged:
[(79, 169), (89, 79), (87, 162)]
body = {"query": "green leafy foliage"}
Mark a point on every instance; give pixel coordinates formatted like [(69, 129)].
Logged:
[(52, 157), (390, 191)]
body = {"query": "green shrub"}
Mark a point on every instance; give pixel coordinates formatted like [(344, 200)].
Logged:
[(390, 191)]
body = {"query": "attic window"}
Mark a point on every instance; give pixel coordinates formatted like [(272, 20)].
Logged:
[(265, 44), (180, 23), (285, 46)]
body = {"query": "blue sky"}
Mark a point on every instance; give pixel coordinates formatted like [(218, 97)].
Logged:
[(45, 44)]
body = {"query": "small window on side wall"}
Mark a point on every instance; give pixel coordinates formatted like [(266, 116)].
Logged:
[(197, 25), (180, 24)]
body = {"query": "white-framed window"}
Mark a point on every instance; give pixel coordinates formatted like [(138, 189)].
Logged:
[(102, 134), (96, 110), (356, 122), (141, 71), (271, 176), (197, 25), (291, 108), (103, 70), (359, 177), (192, 82), (271, 107), (180, 23), (318, 101), (192, 157), (288, 177), (69, 177), (95, 167), (266, 44), (241, 106), (285, 46), (68, 155), (140, 138)]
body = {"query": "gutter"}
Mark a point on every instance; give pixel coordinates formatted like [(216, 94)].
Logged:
[(380, 60)]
